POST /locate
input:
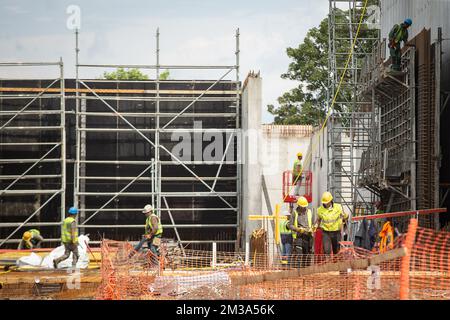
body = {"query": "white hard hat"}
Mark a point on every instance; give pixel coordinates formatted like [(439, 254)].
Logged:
[(148, 208)]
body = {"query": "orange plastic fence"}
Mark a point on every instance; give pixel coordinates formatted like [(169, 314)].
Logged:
[(419, 272)]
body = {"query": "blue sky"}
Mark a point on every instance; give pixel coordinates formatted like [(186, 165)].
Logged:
[(192, 32)]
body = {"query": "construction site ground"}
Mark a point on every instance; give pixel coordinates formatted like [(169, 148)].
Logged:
[(34, 283)]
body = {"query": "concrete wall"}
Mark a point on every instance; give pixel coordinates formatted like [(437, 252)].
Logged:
[(429, 14), (250, 141), (318, 164), (280, 145)]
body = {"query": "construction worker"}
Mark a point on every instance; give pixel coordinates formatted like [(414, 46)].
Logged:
[(386, 237), (331, 218), (301, 225), (296, 173), (31, 239), (69, 238), (286, 239), (398, 34), (153, 231)]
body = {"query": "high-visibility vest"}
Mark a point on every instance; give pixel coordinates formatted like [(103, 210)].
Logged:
[(34, 232), (331, 219), (66, 234), (148, 225), (284, 227), (387, 237), (309, 216), (399, 34), (297, 168)]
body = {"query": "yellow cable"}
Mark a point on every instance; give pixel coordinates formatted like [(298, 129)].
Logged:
[(309, 155)]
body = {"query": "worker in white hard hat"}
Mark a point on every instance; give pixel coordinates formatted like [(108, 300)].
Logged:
[(286, 238), (153, 231), (296, 173), (301, 224), (331, 219)]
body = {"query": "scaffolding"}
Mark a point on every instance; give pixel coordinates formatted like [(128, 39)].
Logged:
[(122, 149), (389, 165), (349, 127), (33, 151), (152, 111)]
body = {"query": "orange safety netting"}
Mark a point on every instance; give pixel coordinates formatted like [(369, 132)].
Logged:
[(417, 268)]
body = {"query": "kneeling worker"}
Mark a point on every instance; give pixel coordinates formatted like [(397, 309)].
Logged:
[(302, 229), (331, 218), (69, 238), (153, 231), (31, 239)]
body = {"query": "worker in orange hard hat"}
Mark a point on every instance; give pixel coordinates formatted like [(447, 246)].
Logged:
[(296, 173), (31, 239), (301, 224), (331, 219)]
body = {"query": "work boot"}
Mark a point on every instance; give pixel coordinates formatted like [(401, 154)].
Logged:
[(55, 264)]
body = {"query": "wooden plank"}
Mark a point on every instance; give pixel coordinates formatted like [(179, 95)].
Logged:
[(124, 91), (399, 214), (354, 264)]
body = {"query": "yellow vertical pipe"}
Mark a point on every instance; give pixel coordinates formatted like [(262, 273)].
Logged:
[(277, 224)]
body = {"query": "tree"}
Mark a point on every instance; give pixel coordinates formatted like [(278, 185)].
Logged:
[(132, 74), (122, 74), (307, 103), (164, 75)]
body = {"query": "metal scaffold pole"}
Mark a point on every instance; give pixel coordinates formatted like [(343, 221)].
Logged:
[(350, 123), (157, 132)]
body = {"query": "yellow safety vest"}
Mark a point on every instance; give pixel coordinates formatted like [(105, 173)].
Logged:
[(66, 234), (295, 170), (309, 216), (284, 227), (331, 219), (34, 232), (148, 225)]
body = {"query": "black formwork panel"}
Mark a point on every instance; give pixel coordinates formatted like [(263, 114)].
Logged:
[(116, 145), (17, 208)]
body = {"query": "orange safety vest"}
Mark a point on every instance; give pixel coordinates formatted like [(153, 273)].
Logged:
[(387, 237)]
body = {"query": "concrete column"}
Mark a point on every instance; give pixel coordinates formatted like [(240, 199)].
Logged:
[(250, 144)]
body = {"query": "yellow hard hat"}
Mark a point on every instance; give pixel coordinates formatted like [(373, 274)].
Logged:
[(326, 197), (299, 154), (27, 236), (302, 202)]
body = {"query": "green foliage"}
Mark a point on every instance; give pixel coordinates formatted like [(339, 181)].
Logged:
[(122, 74), (164, 75), (307, 103)]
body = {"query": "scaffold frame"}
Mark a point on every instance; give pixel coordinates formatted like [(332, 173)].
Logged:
[(14, 141)]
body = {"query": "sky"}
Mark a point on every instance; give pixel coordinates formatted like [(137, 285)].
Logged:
[(194, 32)]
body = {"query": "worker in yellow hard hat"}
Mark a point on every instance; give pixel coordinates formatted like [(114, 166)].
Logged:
[(296, 173), (301, 224), (331, 218), (31, 239)]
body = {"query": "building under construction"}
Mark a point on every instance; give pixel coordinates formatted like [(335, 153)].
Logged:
[(111, 146)]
